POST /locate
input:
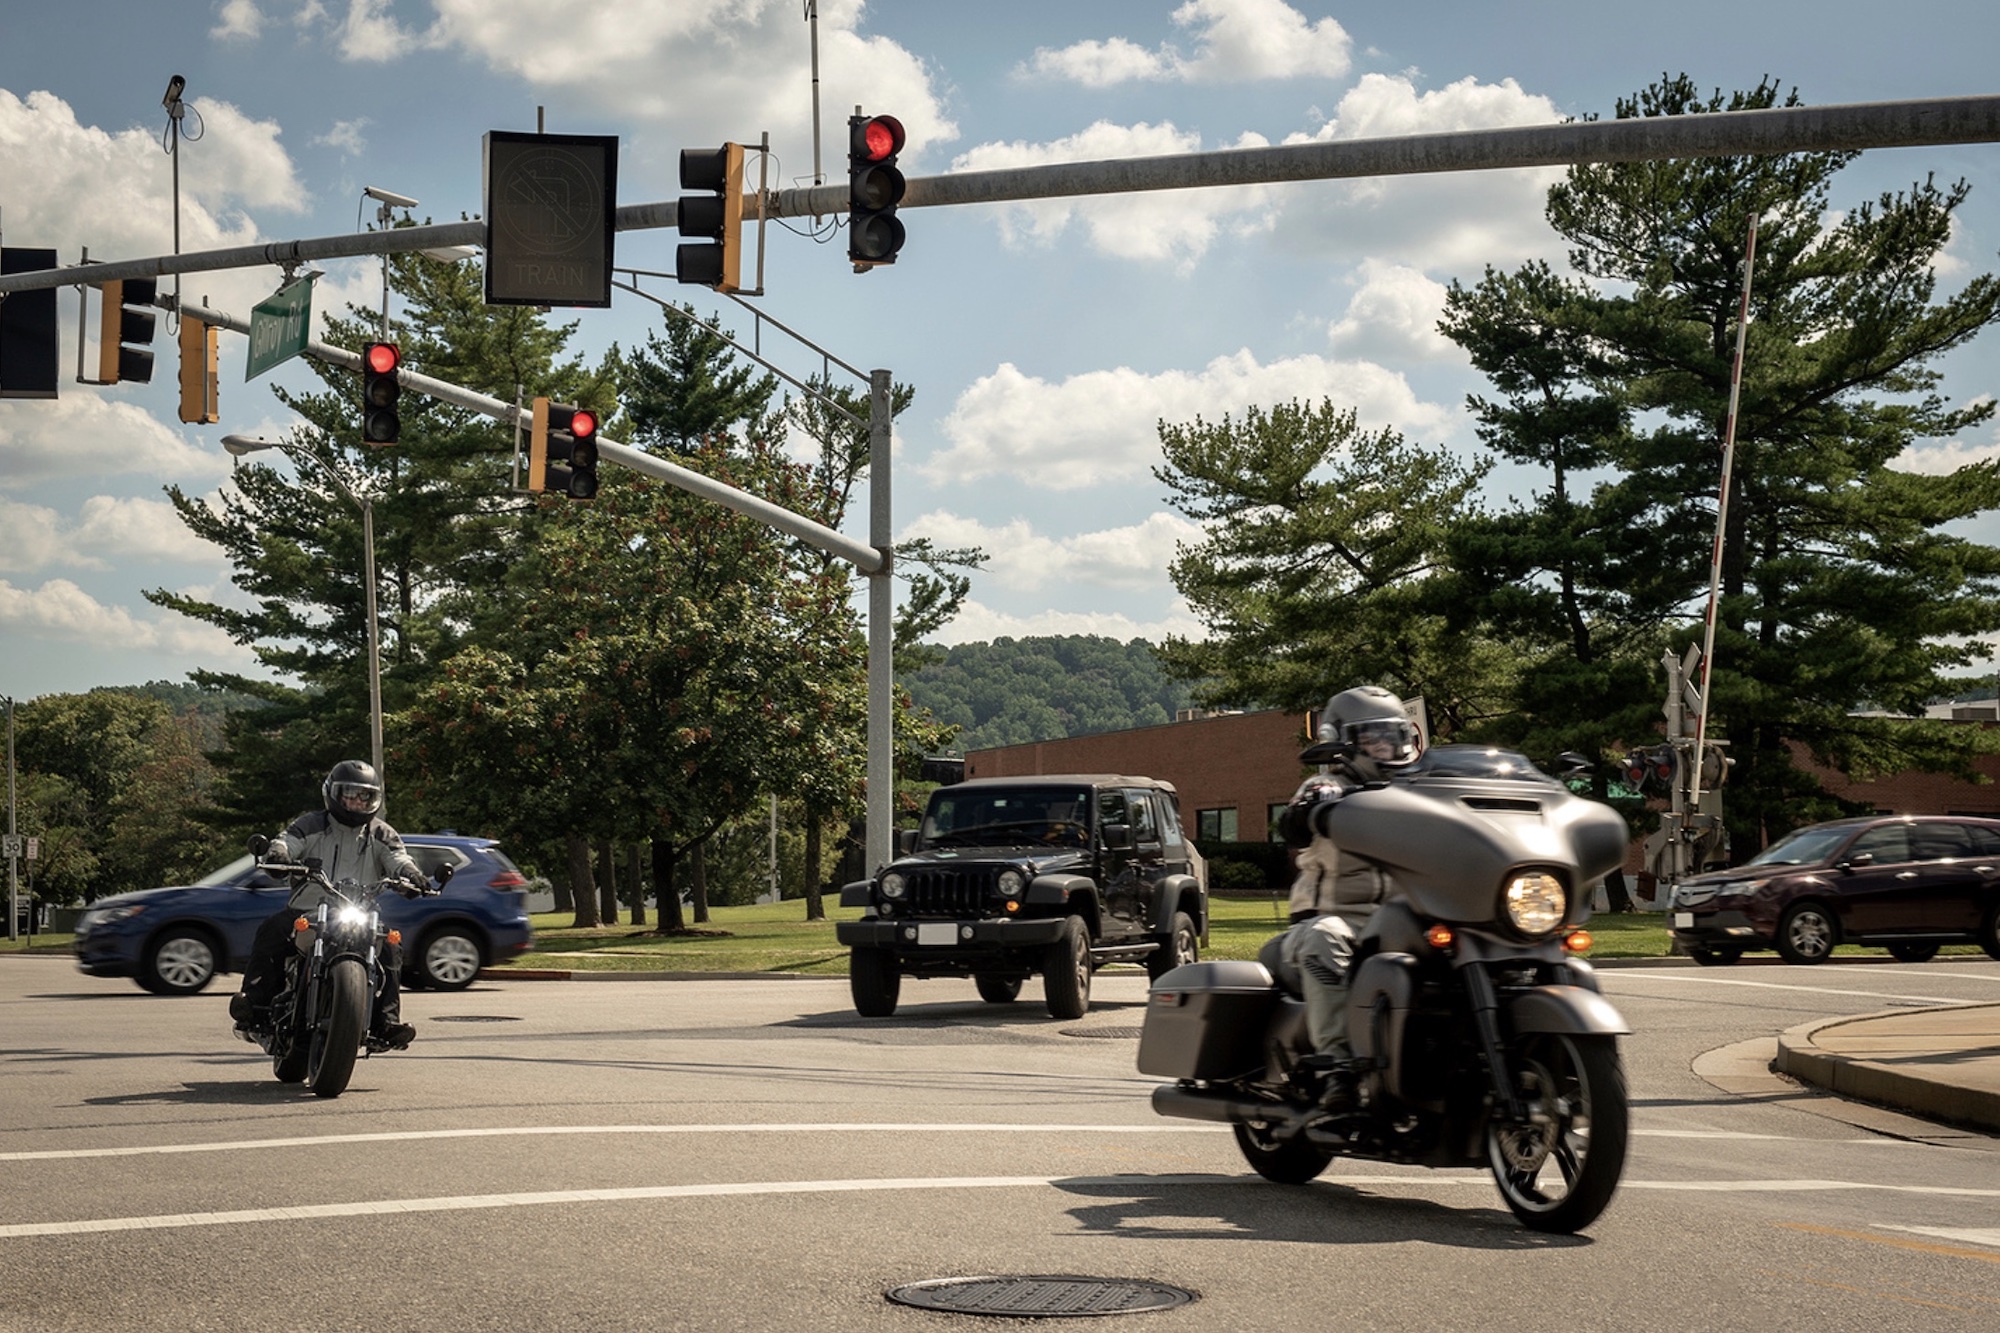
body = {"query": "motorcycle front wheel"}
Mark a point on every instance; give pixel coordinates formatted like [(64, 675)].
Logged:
[(1557, 1172), (336, 1039)]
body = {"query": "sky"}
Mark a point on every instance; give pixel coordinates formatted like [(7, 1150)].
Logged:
[(1045, 341)]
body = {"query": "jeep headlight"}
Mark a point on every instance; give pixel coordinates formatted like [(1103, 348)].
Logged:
[(1011, 883), (892, 885), (1535, 903)]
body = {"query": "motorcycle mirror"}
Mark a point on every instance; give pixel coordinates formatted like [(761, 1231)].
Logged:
[(1574, 763), (259, 844), (442, 875)]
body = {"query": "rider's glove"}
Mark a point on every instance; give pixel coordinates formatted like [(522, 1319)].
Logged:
[(413, 885)]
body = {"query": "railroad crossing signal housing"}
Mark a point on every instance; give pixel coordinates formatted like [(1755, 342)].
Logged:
[(717, 217), (124, 333), (875, 186), (380, 390), (562, 450)]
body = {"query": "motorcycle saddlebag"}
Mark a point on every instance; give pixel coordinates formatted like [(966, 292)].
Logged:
[(1206, 1021)]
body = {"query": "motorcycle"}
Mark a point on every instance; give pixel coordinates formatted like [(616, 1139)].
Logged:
[(1478, 1035), (318, 1023)]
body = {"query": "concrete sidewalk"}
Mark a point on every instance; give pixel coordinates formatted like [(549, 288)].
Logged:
[(1942, 1064)]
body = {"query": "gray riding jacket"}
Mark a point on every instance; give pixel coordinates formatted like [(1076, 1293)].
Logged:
[(369, 852)]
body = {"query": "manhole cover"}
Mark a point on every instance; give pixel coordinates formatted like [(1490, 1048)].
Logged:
[(477, 1018), (1101, 1032), (1041, 1297)]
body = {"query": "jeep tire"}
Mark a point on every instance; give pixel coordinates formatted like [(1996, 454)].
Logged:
[(1179, 945), (874, 980), (1066, 970)]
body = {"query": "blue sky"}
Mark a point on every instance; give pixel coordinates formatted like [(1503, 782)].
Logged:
[(1044, 341)]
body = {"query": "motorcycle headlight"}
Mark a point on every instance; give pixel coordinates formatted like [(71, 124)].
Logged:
[(1011, 883), (1535, 903), (352, 916), (892, 885)]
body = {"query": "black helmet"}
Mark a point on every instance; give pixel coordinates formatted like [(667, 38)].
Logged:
[(1368, 721), (353, 792)]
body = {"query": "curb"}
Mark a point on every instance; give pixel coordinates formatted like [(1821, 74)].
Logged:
[(1800, 1056)]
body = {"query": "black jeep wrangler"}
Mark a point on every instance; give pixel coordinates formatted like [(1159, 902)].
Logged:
[(1009, 877)]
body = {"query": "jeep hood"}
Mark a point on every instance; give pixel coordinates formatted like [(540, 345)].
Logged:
[(1040, 860)]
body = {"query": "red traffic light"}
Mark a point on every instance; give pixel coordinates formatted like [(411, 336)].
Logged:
[(583, 425), (383, 358), (879, 138)]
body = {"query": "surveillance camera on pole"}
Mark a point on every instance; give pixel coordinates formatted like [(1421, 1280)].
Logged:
[(389, 197)]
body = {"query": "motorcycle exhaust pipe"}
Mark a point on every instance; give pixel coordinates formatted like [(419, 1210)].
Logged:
[(1223, 1109)]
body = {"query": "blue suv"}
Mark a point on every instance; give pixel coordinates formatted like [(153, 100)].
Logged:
[(173, 941)]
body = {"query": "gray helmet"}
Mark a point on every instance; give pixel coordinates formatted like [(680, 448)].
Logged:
[(1368, 721), (353, 792)]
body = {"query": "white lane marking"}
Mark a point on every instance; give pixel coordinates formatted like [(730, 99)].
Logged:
[(1964, 1235), (829, 1127), (1134, 1183), (1635, 974)]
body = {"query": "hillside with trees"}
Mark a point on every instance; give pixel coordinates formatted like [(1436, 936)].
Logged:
[(1011, 691)]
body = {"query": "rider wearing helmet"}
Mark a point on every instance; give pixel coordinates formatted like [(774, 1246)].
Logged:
[(350, 840), (1333, 897)]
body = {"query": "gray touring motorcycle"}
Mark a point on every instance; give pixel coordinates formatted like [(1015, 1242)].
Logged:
[(1478, 1038), (319, 1017)]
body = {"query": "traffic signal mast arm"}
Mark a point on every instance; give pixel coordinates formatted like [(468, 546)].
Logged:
[(862, 556), (1839, 128)]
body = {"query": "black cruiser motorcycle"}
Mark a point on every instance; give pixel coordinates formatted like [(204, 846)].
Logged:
[(1479, 1038), (319, 1018)]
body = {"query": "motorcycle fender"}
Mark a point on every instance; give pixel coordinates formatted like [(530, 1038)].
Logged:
[(1566, 1009), (1378, 1009)]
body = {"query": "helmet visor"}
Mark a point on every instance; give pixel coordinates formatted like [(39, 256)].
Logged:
[(356, 798), (1385, 740)]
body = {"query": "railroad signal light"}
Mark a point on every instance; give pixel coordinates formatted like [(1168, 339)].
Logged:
[(199, 363), (562, 450), (717, 217), (380, 390), (1635, 769), (874, 187), (123, 333)]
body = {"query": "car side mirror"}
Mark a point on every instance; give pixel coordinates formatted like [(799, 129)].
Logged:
[(1118, 837), (1860, 860), (906, 841), (442, 875)]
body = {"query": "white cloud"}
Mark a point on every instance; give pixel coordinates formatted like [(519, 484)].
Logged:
[(1177, 225), (369, 33), (60, 610), (1941, 459), (1102, 425), (1394, 313), (346, 136), (239, 19), (94, 436), (131, 531), (1133, 558), (30, 541), (1235, 41), (979, 623)]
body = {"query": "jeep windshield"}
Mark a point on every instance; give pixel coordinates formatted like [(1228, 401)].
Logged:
[(1008, 817)]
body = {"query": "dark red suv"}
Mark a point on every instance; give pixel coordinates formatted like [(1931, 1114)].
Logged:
[(1907, 883)]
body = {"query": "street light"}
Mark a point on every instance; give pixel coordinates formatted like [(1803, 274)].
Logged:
[(238, 446)]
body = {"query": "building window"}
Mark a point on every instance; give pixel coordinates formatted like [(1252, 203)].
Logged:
[(1271, 813), (1216, 825)]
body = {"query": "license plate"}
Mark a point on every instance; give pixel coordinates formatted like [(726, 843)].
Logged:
[(1683, 918), (936, 932)]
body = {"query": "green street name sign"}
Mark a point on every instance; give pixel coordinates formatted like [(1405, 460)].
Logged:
[(278, 327)]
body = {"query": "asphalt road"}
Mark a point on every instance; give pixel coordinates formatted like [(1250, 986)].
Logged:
[(751, 1155)]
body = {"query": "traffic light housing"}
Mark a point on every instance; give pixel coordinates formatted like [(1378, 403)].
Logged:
[(562, 450), (199, 363), (29, 353), (125, 332), (717, 217), (874, 187), (380, 391)]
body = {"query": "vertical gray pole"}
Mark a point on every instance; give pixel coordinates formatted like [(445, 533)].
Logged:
[(13, 887), (881, 636), (374, 648)]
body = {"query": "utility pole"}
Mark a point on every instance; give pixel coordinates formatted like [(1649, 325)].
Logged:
[(13, 836)]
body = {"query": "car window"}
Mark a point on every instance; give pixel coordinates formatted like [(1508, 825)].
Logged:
[(1985, 839), (1145, 828), (1170, 824), (237, 872), (1803, 847), (1889, 844), (1111, 807), (430, 855), (1940, 842)]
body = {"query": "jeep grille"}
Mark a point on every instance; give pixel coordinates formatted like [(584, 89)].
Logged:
[(951, 892)]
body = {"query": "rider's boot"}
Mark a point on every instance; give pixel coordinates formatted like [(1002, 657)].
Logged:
[(389, 1029)]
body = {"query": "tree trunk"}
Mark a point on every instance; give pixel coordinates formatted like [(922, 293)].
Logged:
[(815, 909), (664, 892), (637, 881), (565, 900), (581, 888), (699, 854), (607, 882)]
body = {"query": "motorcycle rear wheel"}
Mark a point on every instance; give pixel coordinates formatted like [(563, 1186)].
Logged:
[(337, 1041), (1558, 1172), (1295, 1162)]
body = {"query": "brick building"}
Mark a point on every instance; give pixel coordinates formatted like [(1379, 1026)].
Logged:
[(1234, 771)]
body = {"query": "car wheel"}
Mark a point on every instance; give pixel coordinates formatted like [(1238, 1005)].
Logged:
[(1913, 953), (996, 989), (1989, 934), (1715, 955), (874, 981), (449, 959), (1180, 945), (1066, 971), (181, 962), (1807, 933)]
